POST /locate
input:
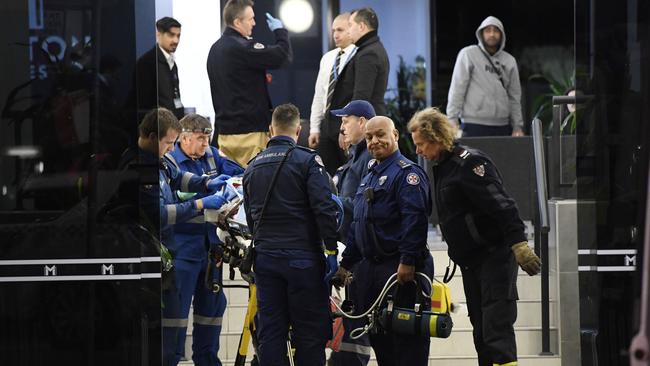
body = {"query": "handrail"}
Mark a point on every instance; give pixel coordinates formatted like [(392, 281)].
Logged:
[(540, 171), (571, 99), (541, 231), (640, 347)]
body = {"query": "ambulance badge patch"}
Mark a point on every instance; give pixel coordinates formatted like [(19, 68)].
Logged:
[(258, 46), (413, 179), (479, 170), (382, 180)]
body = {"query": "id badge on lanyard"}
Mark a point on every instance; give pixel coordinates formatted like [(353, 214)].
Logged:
[(177, 94)]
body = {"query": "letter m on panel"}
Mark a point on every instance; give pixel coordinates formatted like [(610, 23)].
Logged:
[(110, 269), (49, 271)]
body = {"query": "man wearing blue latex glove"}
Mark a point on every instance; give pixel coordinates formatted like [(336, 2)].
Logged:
[(237, 69), (196, 242), (274, 23), (158, 132), (289, 261)]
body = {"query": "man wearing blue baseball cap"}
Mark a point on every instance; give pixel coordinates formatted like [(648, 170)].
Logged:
[(347, 179)]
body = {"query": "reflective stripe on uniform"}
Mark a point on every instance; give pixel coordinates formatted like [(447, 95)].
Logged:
[(174, 323), (197, 220), (171, 214), (210, 158), (173, 160), (513, 363), (185, 181), (206, 320), (355, 348)]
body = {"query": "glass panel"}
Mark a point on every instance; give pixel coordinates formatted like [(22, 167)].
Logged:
[(612, 64), (74, 246)]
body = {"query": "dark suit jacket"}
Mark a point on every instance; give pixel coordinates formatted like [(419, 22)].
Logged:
[(237, 70), (152, 62), (364, 77)]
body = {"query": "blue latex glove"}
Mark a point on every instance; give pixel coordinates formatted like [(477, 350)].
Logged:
[(230, 193), (274, 23), (214, 201), (332, 265), (215, 184)]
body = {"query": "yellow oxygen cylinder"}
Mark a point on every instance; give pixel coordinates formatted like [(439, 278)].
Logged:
[(440, 298)]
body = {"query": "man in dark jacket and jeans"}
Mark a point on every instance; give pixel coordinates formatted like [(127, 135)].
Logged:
[(365, 77), (237, 70)]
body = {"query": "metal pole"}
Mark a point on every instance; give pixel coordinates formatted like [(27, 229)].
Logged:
[(542, 226), (640, 347)]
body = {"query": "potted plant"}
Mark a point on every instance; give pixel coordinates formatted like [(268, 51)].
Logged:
[(407, 98)]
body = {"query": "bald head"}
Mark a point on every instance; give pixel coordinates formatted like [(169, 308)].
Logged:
[(340, 27), (343, 16), (382, 121), (381, 137)]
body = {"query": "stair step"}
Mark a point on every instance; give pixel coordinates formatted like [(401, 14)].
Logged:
[(527, 360), (458, 350), (459, 344)]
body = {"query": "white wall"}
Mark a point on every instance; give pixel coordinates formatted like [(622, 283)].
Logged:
[(201, 27)]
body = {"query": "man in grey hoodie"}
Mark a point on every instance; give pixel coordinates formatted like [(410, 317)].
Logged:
[(485, 91)]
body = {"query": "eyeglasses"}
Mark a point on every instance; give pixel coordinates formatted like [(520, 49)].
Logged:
[(206, 130)]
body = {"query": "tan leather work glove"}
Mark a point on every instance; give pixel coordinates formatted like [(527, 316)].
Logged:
[(527, 259)]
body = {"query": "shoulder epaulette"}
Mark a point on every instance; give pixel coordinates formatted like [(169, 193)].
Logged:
[(460, 155), (403, 164), (305, 148)]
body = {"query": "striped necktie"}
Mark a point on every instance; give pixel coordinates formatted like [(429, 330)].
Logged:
[(333, 76)]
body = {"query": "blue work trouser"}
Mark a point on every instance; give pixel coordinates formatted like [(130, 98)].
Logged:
[(209, 308), (292, 292), (353, 352), (170, 332), (391, 349)]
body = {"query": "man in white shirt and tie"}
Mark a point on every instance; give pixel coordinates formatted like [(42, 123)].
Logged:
[(328, 146)]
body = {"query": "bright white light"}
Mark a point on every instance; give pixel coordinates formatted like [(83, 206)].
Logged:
[(23, 151), (297, 15)]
